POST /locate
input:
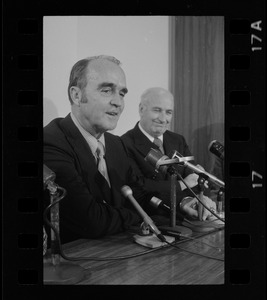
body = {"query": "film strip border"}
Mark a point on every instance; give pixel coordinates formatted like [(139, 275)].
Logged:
[(22, 157), (244, 143), (244, 151)]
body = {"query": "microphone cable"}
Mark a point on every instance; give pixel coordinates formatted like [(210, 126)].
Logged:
[(195, 240), (69, 258), (196, 253), (61, 251), (180, 177), (212, 212)]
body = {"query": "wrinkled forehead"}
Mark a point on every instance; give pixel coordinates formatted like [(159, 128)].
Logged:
[(102, 70), (163, 100)]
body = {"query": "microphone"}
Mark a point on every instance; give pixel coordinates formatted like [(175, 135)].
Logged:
[(158, 161), (155, 157), (161, 162), (128, 193), (197, 170), (48, 178), (217, 149), (157, 203), (57, 272)]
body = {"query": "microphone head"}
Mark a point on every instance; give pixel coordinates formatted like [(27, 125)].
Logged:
[(155, 202), (48, 175), (126, 191), (216, 148), (175, 154), (154, 157)]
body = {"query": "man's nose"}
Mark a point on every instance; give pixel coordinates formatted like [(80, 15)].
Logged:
[(117, 100), (162, 117)]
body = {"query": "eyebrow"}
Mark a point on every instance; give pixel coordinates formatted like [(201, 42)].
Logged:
[(158, 107), (111, 85)]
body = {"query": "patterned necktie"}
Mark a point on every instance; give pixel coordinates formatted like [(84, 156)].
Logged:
[(101, 163), (159, 143)]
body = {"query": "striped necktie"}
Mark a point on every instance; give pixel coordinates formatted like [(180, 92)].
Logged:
[(159, 143), (101, 163)]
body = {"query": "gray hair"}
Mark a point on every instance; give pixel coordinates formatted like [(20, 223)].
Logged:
[(78, 71), (149, 93)]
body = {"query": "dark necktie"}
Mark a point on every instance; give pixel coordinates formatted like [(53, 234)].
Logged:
[(159, 143)]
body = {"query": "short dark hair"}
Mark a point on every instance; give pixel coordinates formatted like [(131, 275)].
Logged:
[(78, 71)]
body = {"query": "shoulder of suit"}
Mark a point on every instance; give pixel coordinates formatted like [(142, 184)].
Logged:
[(60, 129), (128, 135), (53, 125), (110, 137), (173, 134), (115, 142)]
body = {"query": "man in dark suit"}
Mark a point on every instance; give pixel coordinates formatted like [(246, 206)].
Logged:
[(156, 110), (91, 164)]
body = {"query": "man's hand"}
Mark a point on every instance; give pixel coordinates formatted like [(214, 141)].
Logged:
[(190, 207), (206, 182), (191, 181)]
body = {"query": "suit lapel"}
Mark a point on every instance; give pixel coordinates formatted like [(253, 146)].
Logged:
[(79, 144), (86, 160), (114, 162), (169, 144), (142, 143)]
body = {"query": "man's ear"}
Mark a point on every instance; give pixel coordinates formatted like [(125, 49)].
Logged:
[(76, 95), (141, 109)]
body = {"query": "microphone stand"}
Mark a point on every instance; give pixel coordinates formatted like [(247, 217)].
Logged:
[(201, 181), (173, 197), (220, 204), (57, 272), (196, 225), (159, 162), (173, 229), (200, 225)]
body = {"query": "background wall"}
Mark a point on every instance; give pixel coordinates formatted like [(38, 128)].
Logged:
[(184, 54), (141, 43), (198, 83)]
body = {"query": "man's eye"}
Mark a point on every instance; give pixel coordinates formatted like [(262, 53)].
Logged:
[(106, 91)]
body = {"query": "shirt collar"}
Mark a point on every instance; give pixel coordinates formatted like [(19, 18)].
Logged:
[(150, 137), (90, 139)]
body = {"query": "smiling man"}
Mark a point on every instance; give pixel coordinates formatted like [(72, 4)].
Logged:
[(90, 163), (152, 131)]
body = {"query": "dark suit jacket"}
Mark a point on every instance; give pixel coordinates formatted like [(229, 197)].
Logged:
[(90, 209), (138, 146)]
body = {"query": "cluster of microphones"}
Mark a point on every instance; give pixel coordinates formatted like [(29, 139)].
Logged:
[(160, 162)]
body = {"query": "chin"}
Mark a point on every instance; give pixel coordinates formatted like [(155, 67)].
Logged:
[(111, 126), (158, 133)]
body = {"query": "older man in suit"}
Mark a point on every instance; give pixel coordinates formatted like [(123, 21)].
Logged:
[(152, 131)]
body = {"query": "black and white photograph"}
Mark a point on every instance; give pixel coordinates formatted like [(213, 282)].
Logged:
[(134, 149), (134, 140)]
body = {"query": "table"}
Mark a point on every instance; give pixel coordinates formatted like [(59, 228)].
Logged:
[(164, 266)]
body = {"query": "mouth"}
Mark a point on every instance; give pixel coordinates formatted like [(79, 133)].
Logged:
[(113, 114), (160, 124)]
